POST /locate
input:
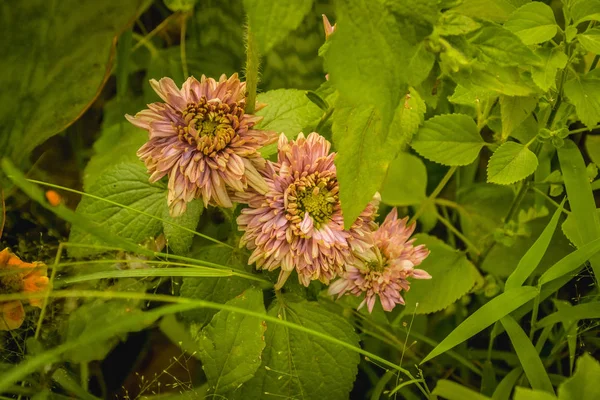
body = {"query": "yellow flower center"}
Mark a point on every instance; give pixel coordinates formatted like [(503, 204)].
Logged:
[(315, 195)]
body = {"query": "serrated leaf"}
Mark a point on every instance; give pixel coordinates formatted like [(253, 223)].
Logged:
[(272, 21), (583, 385), (514, 110), (590, 40), (451, 139), (288, 111), (544, 76), (451, 23), (419, 65), (405, 181), (218, 290), (585, 10), (533, 23), (511, 163), (56, 58), (178, 239), (126, 184), (569, 228), (584, 93), (500, 46), (294, 364), (493, 10), (444, 264), (485, 316), (232, 344)]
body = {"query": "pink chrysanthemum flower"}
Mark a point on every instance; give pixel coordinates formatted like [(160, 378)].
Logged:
[(385, 269), (202, 139), (298, 223)]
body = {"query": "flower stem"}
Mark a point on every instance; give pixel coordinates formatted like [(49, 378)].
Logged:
[(252, 65), (462, 237), (184, 65), (435, 193)]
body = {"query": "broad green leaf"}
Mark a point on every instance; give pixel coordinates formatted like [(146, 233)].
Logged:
[(218, 290), (451, 23), (522, 393), (180, 5), (500, 46), (232, 344), (127, 184), (489, 313), (532, 258), (288, 111), (178, 239), (405, 182), (91, 317), (419, 65), (571, 262), (372, 39), (510, 163), (118, 143), (592, 146), (583, 385), (455, 391), (444, 264), (569, 228), (589, 310), (590, 40), (408, 117), (585, 10), (514, 110), (272, 21), (56, 59), (581, 198), (470, 97), (528, 356), (533, 23), (510, 81), (295, 364), (584, 93), (493, 10), (554, 59), (451, 139)]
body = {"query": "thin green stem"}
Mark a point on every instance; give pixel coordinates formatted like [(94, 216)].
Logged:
[(549, 199), (38, 326), (581, 130), (534, 314), (182, 45), (252, 66), (159, 27), (458, 234), (435, 193)]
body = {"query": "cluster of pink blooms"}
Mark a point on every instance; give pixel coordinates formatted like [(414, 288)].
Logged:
[(202, 139)]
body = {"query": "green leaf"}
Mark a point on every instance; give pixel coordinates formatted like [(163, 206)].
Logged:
[(232, 344), (571, 262), (451, 23), (585, 10), (419, 65), (510, 81), (500, 46), (532, 258), (569, 228), (514, 110), (510, 163), (93, 316), (272, 21), (294, 364), (127, 184), (590, 40), (528, 355), (455, 391), (469, 97), (583, 385), (592, 146), (405, 182), (522, 393), (554, 59), (178, 239), (180, 5), (451, 139), (288, 111), (218, 290), (584, 93), (581, 198), (489, 313), (533, 23), (589, 310), (493, 10), (506, 385), (57, 58), (444, 264), (118, 143)]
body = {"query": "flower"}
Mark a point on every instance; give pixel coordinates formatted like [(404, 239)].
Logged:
[(298, 223), (202, 139), (385, 269), (17, 276)]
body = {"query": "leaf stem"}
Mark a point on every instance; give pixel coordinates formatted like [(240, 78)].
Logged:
[(462, 237), (184, 65), (435, 193), (581, 130), (554, 203), (252, 65)]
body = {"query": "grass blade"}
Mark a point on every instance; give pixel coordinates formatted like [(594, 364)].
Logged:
[(455, 391), (491, 312), (522, 393), (531, 259), (581, 198), (506, 385), (530, 360), (145, 273), (581, 311), (570, 262)]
